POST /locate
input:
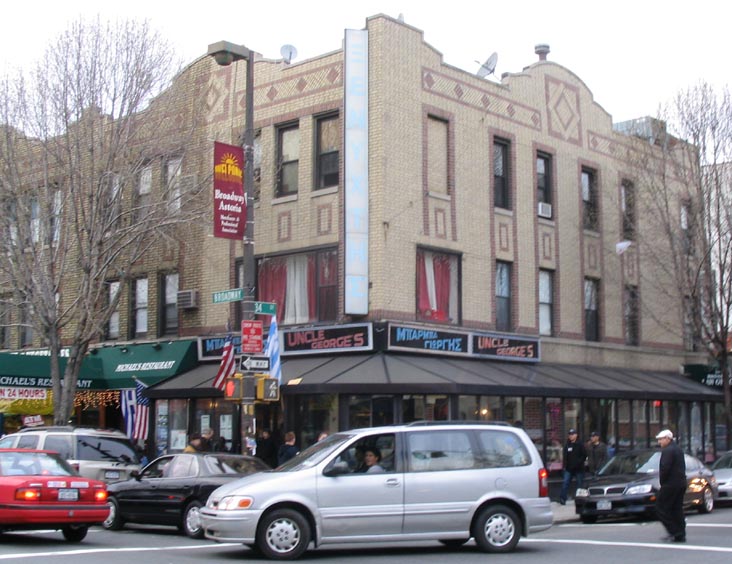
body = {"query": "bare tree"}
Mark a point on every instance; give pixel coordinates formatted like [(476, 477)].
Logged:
[(80, 207), (686, 199)]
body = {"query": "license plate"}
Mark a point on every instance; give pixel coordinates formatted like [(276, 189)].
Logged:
[(111, 474), (604, 505), (68, 495)]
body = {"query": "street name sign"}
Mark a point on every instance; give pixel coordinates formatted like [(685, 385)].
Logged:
[(233, 295), (265, 308)]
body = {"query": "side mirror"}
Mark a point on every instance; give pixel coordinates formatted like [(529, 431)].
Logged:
[(135, 474)]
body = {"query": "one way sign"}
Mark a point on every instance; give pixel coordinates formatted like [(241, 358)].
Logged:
[(260, 363)]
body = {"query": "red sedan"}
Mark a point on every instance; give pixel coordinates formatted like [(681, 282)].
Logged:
[(39, 490)]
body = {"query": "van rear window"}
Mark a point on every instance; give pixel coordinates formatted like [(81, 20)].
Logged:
[(105, 449)]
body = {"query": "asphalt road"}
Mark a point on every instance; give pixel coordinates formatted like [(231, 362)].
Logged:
[(709, 536)]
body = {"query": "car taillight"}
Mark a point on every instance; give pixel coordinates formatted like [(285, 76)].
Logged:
[(28, 494), (543, 483), (100, 495)]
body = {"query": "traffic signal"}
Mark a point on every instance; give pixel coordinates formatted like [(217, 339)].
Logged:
[(233, 388), (268, 389)]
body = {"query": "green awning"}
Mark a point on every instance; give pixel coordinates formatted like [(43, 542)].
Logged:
[(148, 362), (104, 368), (34, 371)]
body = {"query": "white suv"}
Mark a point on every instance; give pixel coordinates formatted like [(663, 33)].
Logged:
[(449, 482), (96, 453)]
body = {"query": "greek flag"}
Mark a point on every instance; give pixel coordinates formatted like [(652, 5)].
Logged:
[(129, 407), (273, 351)]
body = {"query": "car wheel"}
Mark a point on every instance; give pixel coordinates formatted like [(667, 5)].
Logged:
[(192, 525), (283, 534), (588, 519), (497, 529), (114, 521), (453, 543), (707, 501), (75, 533)]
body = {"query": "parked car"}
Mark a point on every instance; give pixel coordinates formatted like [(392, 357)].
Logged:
[(39, 490), (171, 489), (722, 469), (101, 454), (434, 481), (628, 485)]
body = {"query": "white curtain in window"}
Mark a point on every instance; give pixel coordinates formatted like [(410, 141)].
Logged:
[(296, 302), (429, 268)]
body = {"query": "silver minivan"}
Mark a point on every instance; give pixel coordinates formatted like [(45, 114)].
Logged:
[(448, 482)]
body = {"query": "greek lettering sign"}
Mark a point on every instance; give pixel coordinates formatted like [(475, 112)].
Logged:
[(347, 338), (428, 340)]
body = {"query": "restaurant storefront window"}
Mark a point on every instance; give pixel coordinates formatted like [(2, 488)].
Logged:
[(640, 424), (555, 436), (625, 435), (315, 414)]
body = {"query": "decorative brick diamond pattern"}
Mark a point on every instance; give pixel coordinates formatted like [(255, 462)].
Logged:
[(296, 87), (447, 87), (564, 116)]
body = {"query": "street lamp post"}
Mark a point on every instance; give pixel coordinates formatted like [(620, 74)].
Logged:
[(225, 53)]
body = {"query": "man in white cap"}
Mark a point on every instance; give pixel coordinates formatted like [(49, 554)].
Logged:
[(672, 475)]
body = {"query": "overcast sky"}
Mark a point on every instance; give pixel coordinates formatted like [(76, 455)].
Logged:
[(632, 55)]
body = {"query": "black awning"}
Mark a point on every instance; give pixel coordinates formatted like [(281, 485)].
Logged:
[(383, 372), (196, 383)]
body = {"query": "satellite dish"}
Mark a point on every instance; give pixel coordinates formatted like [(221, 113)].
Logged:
[(488, 67), (288, 53), (622, 246)]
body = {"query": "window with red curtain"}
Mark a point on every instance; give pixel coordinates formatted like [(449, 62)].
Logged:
[(304, 286), (437, 287)]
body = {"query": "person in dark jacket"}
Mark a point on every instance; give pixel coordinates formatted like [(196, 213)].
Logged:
[(266, 448), (287, 450), (596, 453), (574, 464), (672, 475)]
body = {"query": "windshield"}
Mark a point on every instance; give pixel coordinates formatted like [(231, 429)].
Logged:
[(723, 463), (643, 462), (33, 464), (105, 448), (316, 453), (232, 464)]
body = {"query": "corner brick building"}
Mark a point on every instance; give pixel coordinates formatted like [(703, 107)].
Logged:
[(458, 251)]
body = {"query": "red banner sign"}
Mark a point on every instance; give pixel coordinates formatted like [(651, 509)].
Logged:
[(230, 207)]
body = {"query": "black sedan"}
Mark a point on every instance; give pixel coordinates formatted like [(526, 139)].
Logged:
[(171, 489), (628, 484)]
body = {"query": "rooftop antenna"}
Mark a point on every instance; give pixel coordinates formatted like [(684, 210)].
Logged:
[(488, 67), (288, 53)]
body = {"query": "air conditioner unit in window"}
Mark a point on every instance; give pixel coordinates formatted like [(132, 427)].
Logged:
[(545, 210), (188, 299)]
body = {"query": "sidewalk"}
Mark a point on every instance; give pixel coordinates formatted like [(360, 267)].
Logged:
[(564, 513)]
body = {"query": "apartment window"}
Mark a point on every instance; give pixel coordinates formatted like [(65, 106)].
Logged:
[(501, 189), (437, 156), (288, 154), (438, 287), (546, 302), (168, 304), (685, 222), (328, 146), (25, 330), (5, 326), (503, 296), (592, 316), (304, 286), (631, 315), (172, 183), (113, 324), (627, 198), (139, 303), (144, 191), (35, 220), (544, 178), (691, 317), (590, 216)]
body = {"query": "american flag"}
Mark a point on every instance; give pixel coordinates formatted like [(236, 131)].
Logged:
[(273, 351), (141, 413), (227, 366)]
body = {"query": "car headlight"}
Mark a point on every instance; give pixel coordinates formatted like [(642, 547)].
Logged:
[(582, 492), (642, 489), (234, 502)]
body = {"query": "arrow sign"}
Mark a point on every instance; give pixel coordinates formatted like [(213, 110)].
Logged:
[(249, 363)]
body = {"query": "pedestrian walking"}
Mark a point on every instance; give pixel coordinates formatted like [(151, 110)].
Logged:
[(596, 453), (670, 499), (288, 450), (573, 463)]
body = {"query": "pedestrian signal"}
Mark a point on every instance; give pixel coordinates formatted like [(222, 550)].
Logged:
[(268, 389), (233, 388)]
